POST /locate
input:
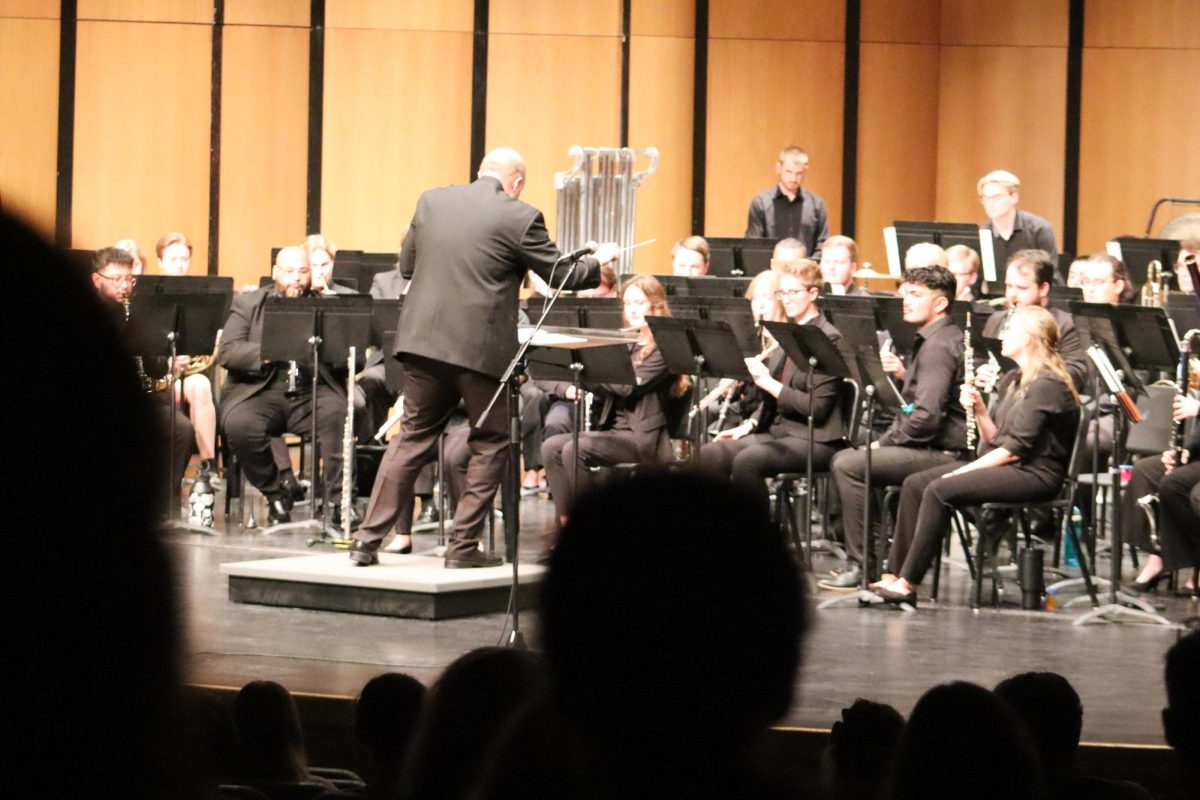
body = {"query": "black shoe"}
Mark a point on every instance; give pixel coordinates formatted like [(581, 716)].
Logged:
[(364, 554), (295, 489), (406, 550), (473, 559), (279, 509), (898, 598), (1142, 587), (428, 515)]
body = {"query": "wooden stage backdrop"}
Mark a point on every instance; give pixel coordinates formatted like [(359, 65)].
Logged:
[(249, 123)]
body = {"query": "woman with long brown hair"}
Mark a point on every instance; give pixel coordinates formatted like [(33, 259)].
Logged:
[(640, 428), (1026, 447)]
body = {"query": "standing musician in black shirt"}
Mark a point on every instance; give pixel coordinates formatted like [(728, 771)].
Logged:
[(775, 438), (1012, 230), (789, 210), (1026, 448), (932, 433)]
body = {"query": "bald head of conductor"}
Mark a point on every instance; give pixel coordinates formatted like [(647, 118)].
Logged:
[(505, 165)]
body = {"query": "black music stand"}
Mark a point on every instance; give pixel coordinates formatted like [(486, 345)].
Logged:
[(877, 388), (1120, 607), (735, 257), (903, 234), (703, 349), (313, 328), (1137, 252), (591, 359), (178, 316), (811, 350)]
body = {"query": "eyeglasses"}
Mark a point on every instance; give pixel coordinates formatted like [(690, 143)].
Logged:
[(119, 280), (992, 198), (784, 294)]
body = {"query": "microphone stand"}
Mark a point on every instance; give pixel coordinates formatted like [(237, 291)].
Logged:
[(510, 501)]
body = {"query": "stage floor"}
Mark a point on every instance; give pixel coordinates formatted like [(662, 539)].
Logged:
[(877, 653)]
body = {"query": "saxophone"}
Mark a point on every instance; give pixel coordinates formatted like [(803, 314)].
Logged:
[(969, 380)]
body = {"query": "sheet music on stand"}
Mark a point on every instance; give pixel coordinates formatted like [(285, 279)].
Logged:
[(191, 310)]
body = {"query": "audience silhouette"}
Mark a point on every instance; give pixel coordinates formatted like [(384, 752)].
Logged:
[(861, 746), (1181, 717), (385, 720), (270, 740)]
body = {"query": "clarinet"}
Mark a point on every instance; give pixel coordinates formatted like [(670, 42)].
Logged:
[(293, 377), (1181, 388), (969, 380)]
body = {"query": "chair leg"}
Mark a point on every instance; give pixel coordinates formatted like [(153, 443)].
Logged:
[(977, 584)]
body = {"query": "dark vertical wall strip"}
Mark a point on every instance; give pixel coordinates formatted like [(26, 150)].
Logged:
[(214, 138), (479, 61), (626, 32), (1070, 231), (850, 118), (316, 113), (66, 123), (700, 117)]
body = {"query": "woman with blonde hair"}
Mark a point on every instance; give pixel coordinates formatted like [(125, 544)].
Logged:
[(640, 428), (1025, 445)]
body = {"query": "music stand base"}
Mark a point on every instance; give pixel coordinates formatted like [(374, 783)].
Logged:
[(1116, 612), (187, 527)]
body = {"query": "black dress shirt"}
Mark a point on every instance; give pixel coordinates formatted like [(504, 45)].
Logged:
[(932, 384), (1030, 232), (773, 216), (1037, 425)]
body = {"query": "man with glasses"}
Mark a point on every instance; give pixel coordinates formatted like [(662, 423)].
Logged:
[(112, 275), (257, 402), (1012, 229)]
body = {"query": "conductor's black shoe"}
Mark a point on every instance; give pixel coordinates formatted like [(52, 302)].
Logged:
[(473, 559), (428, 515), (364, 554), (844, 581), (295, 489), (279, 509)]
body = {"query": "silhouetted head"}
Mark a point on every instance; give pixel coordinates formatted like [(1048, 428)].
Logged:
[(270, 739), (963, 741), (386, 714), (1181, 717), (861, 746), (466, 709), (672, 616), (1052, 712)]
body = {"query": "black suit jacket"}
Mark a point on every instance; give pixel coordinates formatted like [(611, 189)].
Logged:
[(466, 254), (788, 414), (388, 285), (645, 408), (241, 353)]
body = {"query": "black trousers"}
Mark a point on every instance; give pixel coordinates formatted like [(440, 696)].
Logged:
[(183, 443), (749, 461), (889, 467), (928, 498), (1148, 474), (1178, 521), (251, 425), (432, 390), (596, 449), (457, 452)]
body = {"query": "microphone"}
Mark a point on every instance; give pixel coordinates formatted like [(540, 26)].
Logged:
[(587, 249)]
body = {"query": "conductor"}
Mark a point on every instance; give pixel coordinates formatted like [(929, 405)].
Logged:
[(466, 253)]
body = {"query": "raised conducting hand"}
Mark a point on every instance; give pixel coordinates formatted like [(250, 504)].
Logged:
[(607, 252)]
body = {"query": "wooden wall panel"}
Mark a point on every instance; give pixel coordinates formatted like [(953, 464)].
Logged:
[(31, 9), (408, 15), (807, 20), (751, 117), (663, 17), (1141, 23), (141, 135), (199, 11), (29, 128), (546, 93), (900, 21), (264, 146), (898, 141), (1138, 142), (1011, 23), (574, 17), (297, 13), (1023, 92), (660, 115), (397, 122)]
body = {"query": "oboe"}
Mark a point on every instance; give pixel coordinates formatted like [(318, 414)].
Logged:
[(969, 380)]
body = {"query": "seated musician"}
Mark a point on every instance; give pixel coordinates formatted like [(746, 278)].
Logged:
[(257, 404), (640, 432), (928, 254), (1027, 280), (112, 275), (930, 434), (689, 257), (1105, 280), (135, 250), (775, 438), (1178, 522), (963, 262), (1026, 448), (321, 255), (839, 261), (174, 253)]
